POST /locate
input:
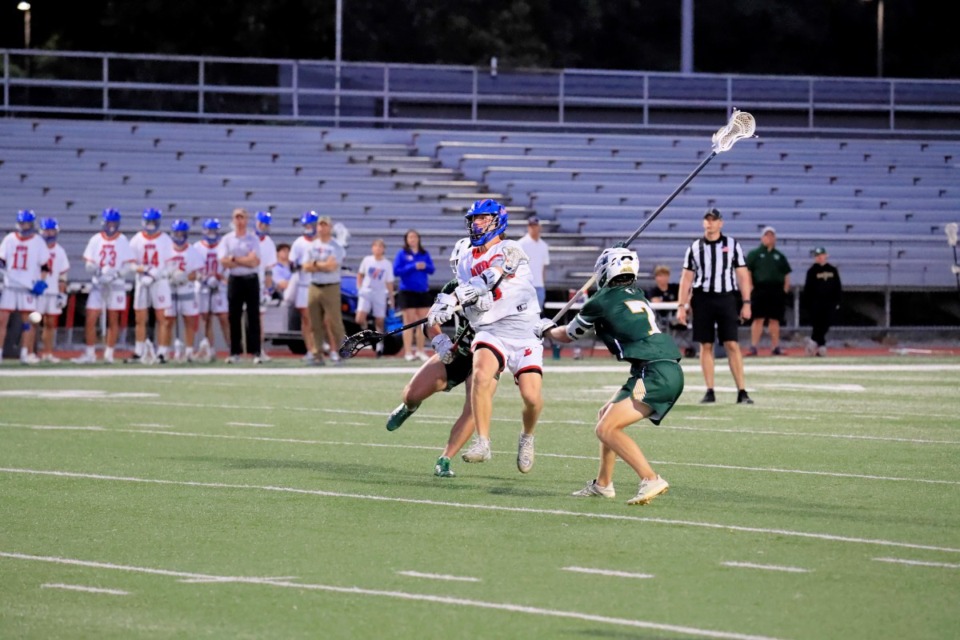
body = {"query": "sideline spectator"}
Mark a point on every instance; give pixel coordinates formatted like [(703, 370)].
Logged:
[(239, 254), (323, 262), (282, 271), (375, 289), (770, 271), (299, 255), (822, 293), (665, 291), (539, 253), (24, 259), (713, 267), (413, 266)]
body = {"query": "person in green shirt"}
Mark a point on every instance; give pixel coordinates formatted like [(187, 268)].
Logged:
[(770, 271), (622, 318)]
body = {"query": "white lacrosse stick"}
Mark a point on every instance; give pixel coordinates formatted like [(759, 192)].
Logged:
[(741, 125)]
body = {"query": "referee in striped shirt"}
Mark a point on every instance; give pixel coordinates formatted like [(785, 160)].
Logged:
[(713, 269)]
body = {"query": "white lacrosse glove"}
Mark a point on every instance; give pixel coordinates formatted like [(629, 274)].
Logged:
[(148, 277), (443, 347), (179, 277), (61, 301), (442, 309), (469, 293), (484, 302), (107, 275), (542, 326), (213, 283)]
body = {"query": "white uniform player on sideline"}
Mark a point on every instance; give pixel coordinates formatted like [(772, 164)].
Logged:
[(54, 299), (299, 287), (152, 249), (503, 337), (24, 259), (375, 289), (211, 291), (268, 260), (107, 258), (185, 266)]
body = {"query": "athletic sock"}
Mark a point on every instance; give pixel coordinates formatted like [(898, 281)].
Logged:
[(162, 351), (107, 352), (138, 348), (92, 352)]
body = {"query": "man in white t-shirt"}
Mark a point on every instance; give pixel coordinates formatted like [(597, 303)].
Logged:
[(375, 289), (24, 259), (539, 253), (298, 288)]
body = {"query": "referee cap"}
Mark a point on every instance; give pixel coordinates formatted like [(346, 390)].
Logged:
[(713, 213)]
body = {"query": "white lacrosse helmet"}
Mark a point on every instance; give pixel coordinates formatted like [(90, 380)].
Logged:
[(463, 245), (341, 234), (614, 264)]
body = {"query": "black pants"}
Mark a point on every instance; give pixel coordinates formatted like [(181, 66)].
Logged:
[(821, 318), (244, 290)]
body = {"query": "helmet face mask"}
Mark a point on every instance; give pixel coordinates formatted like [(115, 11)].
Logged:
[(179, 232), (264, 220), (459, 249), (151, 220), (110, 222), (211, 230), (309, 223), (49, 229), (26, 222), (486, 229), (616, 266)]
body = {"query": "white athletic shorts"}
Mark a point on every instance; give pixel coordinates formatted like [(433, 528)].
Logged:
[(184, 302), (17, 299), (47, 305), (368, 301), (214, 302), (116, 299), (519, 355), (302, 295), (156, 295)]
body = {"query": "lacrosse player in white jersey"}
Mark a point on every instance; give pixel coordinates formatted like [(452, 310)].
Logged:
[(24, 259), (54, 299), (107, 258), (268, 260), (184, 267), (503, 339), (300, 281), (152, 249), (211, 291), (374, 289)]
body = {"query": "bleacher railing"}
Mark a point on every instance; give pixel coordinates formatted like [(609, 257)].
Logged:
[(196, 88)]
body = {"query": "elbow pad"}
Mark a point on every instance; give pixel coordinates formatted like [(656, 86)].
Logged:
[(486, 280), (578, 329)]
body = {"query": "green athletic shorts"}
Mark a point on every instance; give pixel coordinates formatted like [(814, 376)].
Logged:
[(458, 370), (658, 384)]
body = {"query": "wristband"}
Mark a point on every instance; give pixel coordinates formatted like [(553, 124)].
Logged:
[(746, 302)]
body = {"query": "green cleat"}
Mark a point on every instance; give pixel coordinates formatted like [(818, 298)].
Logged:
[(398, 417), (442, 468)]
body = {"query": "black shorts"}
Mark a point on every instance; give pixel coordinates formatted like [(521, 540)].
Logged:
[(414, 300), (768, 301), (459, 370), (714, 315)]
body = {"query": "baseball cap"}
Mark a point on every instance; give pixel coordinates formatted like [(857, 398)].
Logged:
[(533, 220), (713, 213), (767, 230), (326, 219), (819, 251)]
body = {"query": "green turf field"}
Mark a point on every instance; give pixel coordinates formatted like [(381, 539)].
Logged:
[(272, 503)]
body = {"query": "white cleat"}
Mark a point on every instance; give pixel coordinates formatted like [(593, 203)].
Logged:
[(84, 359), (809, 347), (525, 453), (264, 357), (594, 490), (30, 358), (52, 359), (649, 489), (479, 451)]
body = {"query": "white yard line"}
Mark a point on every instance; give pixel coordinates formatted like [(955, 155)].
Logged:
[(151, 425), (920, 563), (840, 436), (487, 507), (380, 445), (402, 595), (77, 587), (607, 572), (262, 425), (765, 567), (437, 576)]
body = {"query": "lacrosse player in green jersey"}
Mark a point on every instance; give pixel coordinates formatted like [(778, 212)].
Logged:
[(620, 315)]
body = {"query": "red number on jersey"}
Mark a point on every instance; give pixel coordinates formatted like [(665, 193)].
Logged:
[(20, 258), (108, 256)]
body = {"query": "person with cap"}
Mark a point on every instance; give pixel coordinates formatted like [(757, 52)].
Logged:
[(822, 292), (322, 267), (770, 271), (714, 269), (539, 253), (239, 255)]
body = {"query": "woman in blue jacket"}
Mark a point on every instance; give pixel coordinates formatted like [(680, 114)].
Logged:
[(413, 267)]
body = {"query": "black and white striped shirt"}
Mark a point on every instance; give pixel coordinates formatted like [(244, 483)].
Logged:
[(714, 264)]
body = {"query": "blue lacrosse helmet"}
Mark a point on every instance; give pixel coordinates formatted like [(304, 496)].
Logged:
[(309, 221), (179, 230), (49, 228), (26, 219), (151, 219), (211, 230), (110, 221), (264, 219), (481, 236)]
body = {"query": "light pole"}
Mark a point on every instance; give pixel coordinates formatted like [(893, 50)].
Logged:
[(879, 36), (25, 7)]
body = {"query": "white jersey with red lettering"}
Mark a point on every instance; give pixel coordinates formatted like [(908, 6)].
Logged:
[(151, 251), (188, 260), (59, 265), (109, 253), (515, 308), (24, 258)]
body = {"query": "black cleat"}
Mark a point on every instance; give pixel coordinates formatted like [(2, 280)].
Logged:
[(743, 398), (708, 397)]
